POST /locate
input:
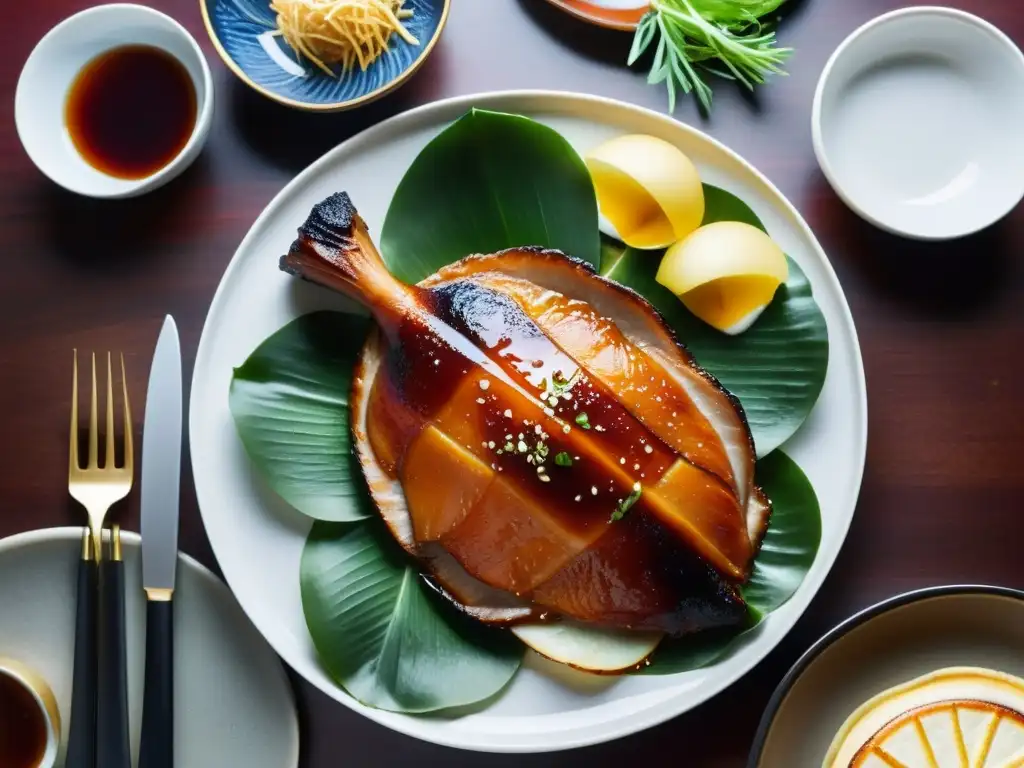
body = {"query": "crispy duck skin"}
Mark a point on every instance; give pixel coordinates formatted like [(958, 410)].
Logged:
[(536, 437)]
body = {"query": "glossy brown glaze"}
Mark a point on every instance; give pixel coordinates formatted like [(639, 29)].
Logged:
[(516, 459), (938, 326)]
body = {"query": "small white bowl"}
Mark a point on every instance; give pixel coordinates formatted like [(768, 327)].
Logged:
[(917, 123), (51, 69), (44, 702)]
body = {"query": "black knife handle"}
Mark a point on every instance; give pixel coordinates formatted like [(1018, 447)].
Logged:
[(156, 749), (82, 728), (112, 744)]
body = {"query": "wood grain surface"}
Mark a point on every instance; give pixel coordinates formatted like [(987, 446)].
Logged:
[(941, 326)]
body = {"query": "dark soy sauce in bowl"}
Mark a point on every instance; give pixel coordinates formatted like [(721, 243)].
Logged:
[(23, 733), (131, 111)]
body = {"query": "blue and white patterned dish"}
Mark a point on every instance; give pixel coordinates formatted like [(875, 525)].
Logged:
[(240, 30)]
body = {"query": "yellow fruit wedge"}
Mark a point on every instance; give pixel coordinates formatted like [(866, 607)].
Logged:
[(961, 717), (726, 273), (647, 189)]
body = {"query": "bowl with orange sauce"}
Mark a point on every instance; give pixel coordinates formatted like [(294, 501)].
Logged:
[(114, 101)]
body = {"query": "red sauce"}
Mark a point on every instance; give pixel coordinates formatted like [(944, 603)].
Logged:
[(131, 111), (22, 726)]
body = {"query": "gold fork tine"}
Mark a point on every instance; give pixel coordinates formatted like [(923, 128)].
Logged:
[(109, 461), (73, 452), (93, 427), (129, 448), (98, 488)]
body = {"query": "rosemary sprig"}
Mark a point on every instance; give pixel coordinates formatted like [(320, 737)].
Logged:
[(692, 34)]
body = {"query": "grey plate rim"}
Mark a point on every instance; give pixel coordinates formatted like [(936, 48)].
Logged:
[(842, 629)]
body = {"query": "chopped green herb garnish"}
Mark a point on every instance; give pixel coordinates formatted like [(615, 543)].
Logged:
[(583, 420), (563, 459), (625, 504)]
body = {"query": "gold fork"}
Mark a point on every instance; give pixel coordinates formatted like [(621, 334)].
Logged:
[(99, 488)]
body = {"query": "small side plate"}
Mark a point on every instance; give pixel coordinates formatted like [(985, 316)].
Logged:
[(234, 706), (891, 643), (241, 32)]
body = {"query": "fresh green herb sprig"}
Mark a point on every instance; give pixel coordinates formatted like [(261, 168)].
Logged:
[(693, 35), (624, 506)]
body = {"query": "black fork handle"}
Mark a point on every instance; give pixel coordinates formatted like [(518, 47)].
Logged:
[(82, 728), (113, 749)]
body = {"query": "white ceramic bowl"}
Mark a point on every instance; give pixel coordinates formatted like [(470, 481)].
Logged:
[(916, 123), (56, 61)]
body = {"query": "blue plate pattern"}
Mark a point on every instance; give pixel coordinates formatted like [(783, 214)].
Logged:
[(239, 29)]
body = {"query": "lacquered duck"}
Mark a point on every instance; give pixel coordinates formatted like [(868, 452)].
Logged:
[(538, 439)]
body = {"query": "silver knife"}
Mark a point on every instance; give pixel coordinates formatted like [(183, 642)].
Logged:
[(161, 476)]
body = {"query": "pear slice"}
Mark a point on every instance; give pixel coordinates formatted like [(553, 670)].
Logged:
[(592, 649), (961, 717)]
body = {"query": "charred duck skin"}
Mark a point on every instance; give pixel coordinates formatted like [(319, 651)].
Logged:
[(538, 439)]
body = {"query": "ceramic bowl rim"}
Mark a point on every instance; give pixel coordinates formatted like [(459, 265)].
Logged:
[(39, 689), (841, 630), (597, 21), (204, 113), (335, 106), (817, 134)]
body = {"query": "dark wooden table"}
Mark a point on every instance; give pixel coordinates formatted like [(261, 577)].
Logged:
[(942, 326)]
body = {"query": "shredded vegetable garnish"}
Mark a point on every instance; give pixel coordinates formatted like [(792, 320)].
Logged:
[(341, 32)]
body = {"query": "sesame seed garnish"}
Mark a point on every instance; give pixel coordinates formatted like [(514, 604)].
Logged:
[(537, 430), (636, 467), (490, 444), (437, 362), (544, 478), (648, 449), (658, 399), (508, 413), (541, 470), (593, 490), (622, 461), (521, 447), (636, 486), (599, 428), (548, 412), (480, 401), (484, 383), (566, 428), (578, 497)]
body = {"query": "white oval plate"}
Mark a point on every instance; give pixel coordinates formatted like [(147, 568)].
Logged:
[(233, 704), (258, 539)]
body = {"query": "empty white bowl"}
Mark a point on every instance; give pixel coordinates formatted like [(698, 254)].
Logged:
[(917, 123), (54, 64)]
